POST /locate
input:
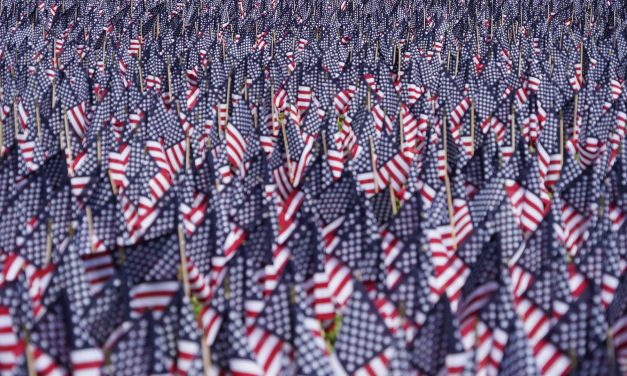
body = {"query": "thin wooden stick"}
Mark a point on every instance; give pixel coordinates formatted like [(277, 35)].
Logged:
[(513, 126), (472, 126), (30, 359), (477, 38), (394, 55), (562, 137), (98, 147), (245, 90), (206, 355), (139, 58), (104, 50), (447, 182), (183, 256), (272, 46), (15, 118), (401, 128), (448, 62), (1, 136), (90, 226), (227, 288), (400, 62), (187, 151), (228, 96), (611, 349), (393, 200), (38, 120), (54, 93), (519, 60), (48, 257), (575, 113), (68, 141), (375, 173), (141, 76), (287, 147), (169, 79)]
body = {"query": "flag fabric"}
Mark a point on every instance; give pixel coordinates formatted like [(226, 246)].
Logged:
[(313, 187)]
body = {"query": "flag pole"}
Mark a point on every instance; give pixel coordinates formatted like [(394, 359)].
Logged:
[(30, 360), (48, 257), (513, 126), (104, 50), (562, 137), (399, 62), (472, 126), (375, 173), (15, 118), (447, 182), (187, 150), (272, 46), (68, 141), (38, 120), (519, 59), (169, 78), (611, 349), (206, 354), (448, 62), (139, 56), (281, 118), (477, 38), (394, 55), (90, 226), (114, 187), (245, 89), (393, 200), (576, 107), (205, 350), (183, 257), (287, 149), (54, 93), (401, 127), (1, 133), (228, 96)]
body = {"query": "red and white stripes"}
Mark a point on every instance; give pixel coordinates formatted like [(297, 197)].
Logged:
[(152, 296), (529, 210), (87, 362), (77, 117), (573, 229), (98, 269), (549, 359), (9, 345), (235, 148)]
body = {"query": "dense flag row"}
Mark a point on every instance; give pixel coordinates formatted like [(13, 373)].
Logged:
[(313, 187)]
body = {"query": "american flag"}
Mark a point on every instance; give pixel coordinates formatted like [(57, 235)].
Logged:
[(329, 188)]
